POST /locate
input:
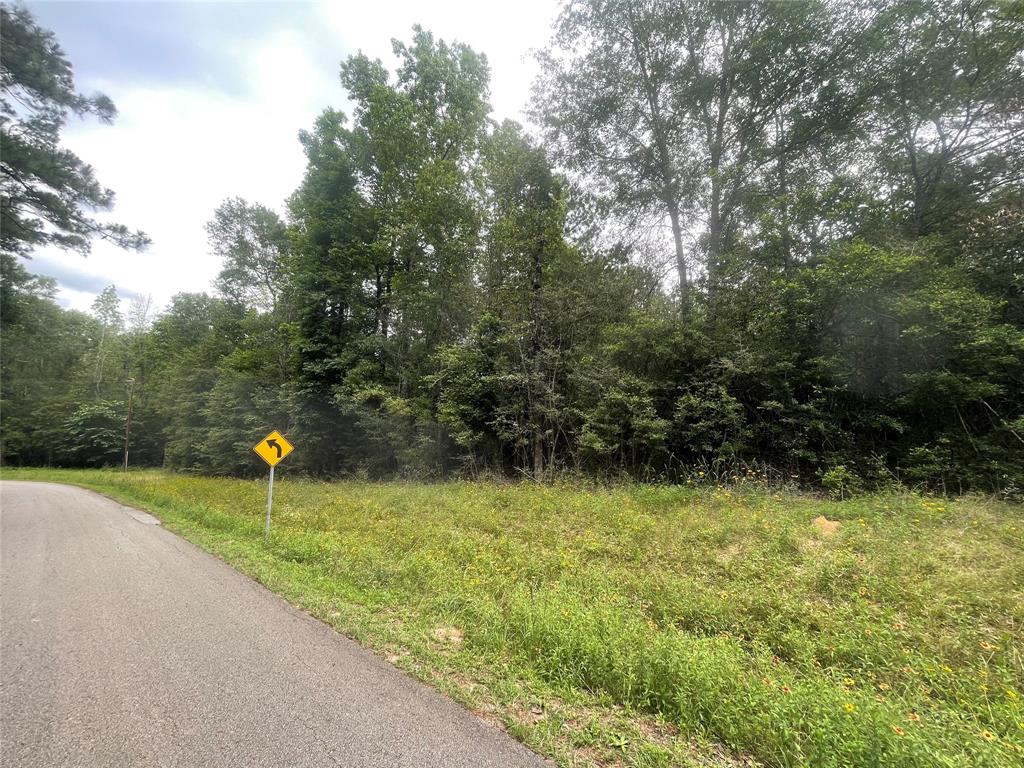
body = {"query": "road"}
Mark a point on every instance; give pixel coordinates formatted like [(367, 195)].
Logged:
[(124, 645)]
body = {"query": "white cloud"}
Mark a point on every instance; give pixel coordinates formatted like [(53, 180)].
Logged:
[(174, 154)]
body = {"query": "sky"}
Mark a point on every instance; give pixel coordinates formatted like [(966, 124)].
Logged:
[(211, 97)]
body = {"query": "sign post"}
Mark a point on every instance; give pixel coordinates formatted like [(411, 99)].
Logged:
[(270, 502), (272, 449)]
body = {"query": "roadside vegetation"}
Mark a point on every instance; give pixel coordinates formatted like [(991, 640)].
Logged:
[(652, 625), (784, 234)]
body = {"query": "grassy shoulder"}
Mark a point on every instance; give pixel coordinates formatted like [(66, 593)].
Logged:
[(649, 625)]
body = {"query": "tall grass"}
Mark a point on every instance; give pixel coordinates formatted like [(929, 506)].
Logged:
[(894, 641)]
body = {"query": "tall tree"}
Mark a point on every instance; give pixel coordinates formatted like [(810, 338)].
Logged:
[(674, 110), (107, 310), (414, 142), (46, 191), (387, 234), (252, 242), (609, 104), (949, 107)]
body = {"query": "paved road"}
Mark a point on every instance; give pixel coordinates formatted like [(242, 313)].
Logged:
[(123, 645)]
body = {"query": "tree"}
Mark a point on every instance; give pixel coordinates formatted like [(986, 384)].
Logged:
[(46, 190), (950, 108), (92, 436), (107, 310), (43, 345), (387, 230), (252, 242), (525, 236), (610, 111), (676, 110), (413, 147)]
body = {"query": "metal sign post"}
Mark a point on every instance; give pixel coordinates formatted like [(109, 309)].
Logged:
[(270, 502), (272, 449)]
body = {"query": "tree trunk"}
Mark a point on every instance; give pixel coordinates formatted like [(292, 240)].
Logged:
[(716, 151), (785, 237), (538, 456), (714, 234), (535, 347), (677, 235), (664, 159)]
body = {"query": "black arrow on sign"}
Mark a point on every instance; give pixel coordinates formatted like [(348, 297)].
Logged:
[(273, 444)]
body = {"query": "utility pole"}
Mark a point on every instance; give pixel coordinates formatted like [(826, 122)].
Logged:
[(128, 421)]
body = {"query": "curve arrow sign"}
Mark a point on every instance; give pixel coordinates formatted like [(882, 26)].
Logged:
[(273, 448)]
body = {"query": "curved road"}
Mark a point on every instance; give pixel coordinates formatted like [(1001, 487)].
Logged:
[(124, 645)]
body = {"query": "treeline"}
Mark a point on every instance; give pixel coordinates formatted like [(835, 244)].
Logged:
[(788, 235)]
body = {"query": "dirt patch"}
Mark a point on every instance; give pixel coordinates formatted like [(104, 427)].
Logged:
[(597, 756), (530, 715), (730, 554), (825, 526), (449, 636)]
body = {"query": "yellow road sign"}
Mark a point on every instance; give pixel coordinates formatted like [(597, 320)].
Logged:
[(273, 448)]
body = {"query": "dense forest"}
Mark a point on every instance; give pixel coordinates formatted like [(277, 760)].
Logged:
[(783, 238)]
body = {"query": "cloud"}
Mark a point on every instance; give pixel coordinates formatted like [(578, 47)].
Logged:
[(175, 153), (75, 279), (162, 43)]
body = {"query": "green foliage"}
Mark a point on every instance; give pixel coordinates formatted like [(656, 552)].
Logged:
[(708, 422), (840, 482), (622, 428), (92, 436), (251, 240), (842, 187), (42, 344)]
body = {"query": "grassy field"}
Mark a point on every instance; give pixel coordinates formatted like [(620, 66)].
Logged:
[(654, 626)]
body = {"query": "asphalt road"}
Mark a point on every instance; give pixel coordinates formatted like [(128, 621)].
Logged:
[(124, 645)]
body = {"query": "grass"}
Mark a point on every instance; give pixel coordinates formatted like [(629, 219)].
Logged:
[(649, 625)]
